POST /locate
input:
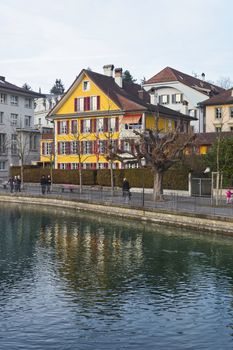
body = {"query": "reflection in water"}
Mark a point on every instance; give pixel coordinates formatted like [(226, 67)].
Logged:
[(83, 282)]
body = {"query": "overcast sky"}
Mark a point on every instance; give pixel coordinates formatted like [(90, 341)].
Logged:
[(44, 40)]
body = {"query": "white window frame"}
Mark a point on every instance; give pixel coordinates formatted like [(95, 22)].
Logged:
[(218, 113), (74, 147), (14, 100), (86, 85), (80, 104), (28, 102), (63, 127), (93, 103), (48, 148), (1, 117), (87, 147), (3, 98), (62, 147), (86, 125), (74, 166), (14, 119), (2, 165), (27, 121), (100, 124)]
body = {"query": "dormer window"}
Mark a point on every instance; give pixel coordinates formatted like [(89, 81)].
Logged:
[(86, 85), (177, 98)]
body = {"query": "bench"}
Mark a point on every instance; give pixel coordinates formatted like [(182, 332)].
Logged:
[(70, 188)]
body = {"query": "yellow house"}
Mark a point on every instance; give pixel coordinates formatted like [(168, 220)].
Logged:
[(218, 112), (99, 109)]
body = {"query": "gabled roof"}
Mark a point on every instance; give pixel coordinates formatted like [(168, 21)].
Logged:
[(208, 138), (169, 74), (126, 98), (225, 97), (5, 85)]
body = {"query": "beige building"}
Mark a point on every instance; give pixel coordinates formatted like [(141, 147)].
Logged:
[(219, 112)]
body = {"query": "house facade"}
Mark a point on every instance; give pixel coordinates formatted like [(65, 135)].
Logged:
[(19, 140), (219, 112), (98, 110), (42, 107), (183, 93)]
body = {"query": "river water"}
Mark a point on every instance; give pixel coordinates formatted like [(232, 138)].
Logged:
[(80, 281)]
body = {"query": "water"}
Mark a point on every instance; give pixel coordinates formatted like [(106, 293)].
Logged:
[(85, 282)]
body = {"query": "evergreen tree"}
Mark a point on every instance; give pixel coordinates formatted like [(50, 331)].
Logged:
[(127, 77), (26, 86), (58, 88)]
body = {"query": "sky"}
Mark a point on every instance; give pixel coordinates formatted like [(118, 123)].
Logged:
[(48, 40)]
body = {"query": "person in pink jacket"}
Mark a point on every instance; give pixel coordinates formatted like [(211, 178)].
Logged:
[(228, 195)]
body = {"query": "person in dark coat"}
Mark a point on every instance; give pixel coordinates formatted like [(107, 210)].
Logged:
[(48, 183), (18, 183), (11, 184), (126, 189), (43, 183)]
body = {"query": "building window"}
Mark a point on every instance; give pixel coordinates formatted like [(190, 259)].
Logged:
[(231, 128), (193, 113), (39, 121), (33, 143), (74, 147), (177, 98), (87, 103), (87, 147), (13, 144), (27, 121), (14, 100), (218, 113), (48, 148), (63, 166), (3, 98), (218, 128), (132, 126), (231, 112), (28, 103), (100, 124), (2, 143), (164, 99), (93, 103), (62, 147), (14, 119), (63, 127), (126, 147), (86, 125), (102, 146), (80, 104), (86, 85), (74, 166), (1, 117), (2, 165)]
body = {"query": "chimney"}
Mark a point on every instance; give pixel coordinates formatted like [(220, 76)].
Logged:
[(39, 90), (154, 98), (2, 78), (108, 70), (118, 77), (185, 109), (203, 76)]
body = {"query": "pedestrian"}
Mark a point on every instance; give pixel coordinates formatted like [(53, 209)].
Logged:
[(15, 184), (48, 183), (18, 180), (43, 183), (11, 184), (228, 195), (126, 189)]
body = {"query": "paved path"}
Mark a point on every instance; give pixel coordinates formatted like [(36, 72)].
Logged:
[(173, 203)]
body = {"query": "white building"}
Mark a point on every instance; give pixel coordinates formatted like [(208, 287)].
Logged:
[(42, 107), (18, 136), (183, 93)]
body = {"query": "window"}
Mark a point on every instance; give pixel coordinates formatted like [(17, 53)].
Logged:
[(126, 146), (33, 143), (3, 98), (28, 103), (63, 166), (80, 104), (231, 112), (74, 166), (193, 113), (14, 100), (218, 129), (164, 99), (102, 146), (1, 117), (231, 128), (2, 143), (87, 147), (13, 144), (63, 127), (39, 121), (14, 119), (47, 148), (93, 103), (100, 124), (177, 98), (132, 126), (218, 113), (2, 165), (86, 125), (62, 147), (74, 147), (112, 124), (27, 120), (86, 85)]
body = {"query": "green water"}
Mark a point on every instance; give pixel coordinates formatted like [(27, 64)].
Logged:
[(80, 281)]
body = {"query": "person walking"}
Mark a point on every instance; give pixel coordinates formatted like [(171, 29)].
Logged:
[(48, 183), (43, 183), (228, 195), (126, 189), (11, 184), (18, 180)]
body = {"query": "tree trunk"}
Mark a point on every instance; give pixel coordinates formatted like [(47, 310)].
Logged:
[(80, 179), (112, 179), (158, 186)]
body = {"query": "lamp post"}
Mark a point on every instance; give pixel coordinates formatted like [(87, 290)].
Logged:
[(143, 182)]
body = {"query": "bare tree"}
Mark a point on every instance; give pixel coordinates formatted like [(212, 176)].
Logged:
[(225, 82)]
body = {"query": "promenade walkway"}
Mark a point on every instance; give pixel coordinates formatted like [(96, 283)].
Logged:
[(173, 202)]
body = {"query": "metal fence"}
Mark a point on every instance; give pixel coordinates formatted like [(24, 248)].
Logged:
[(140, 200)]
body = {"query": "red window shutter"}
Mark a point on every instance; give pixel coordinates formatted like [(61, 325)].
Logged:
[(59, 166), (81, 125), (67, 147), (81, 147), (75, 104), (58, 148), (43, 148), (117, 124), (67, 127), (93, 165), (95, 147), (68, 166), (52, 147), (98, 102), (72, 126), (93, 127), (58, 127), (105, 124), (88, 103)]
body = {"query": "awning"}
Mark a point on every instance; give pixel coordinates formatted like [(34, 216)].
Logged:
[(131, 119)]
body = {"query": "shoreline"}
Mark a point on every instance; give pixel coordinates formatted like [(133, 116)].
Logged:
[(223, 226)]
